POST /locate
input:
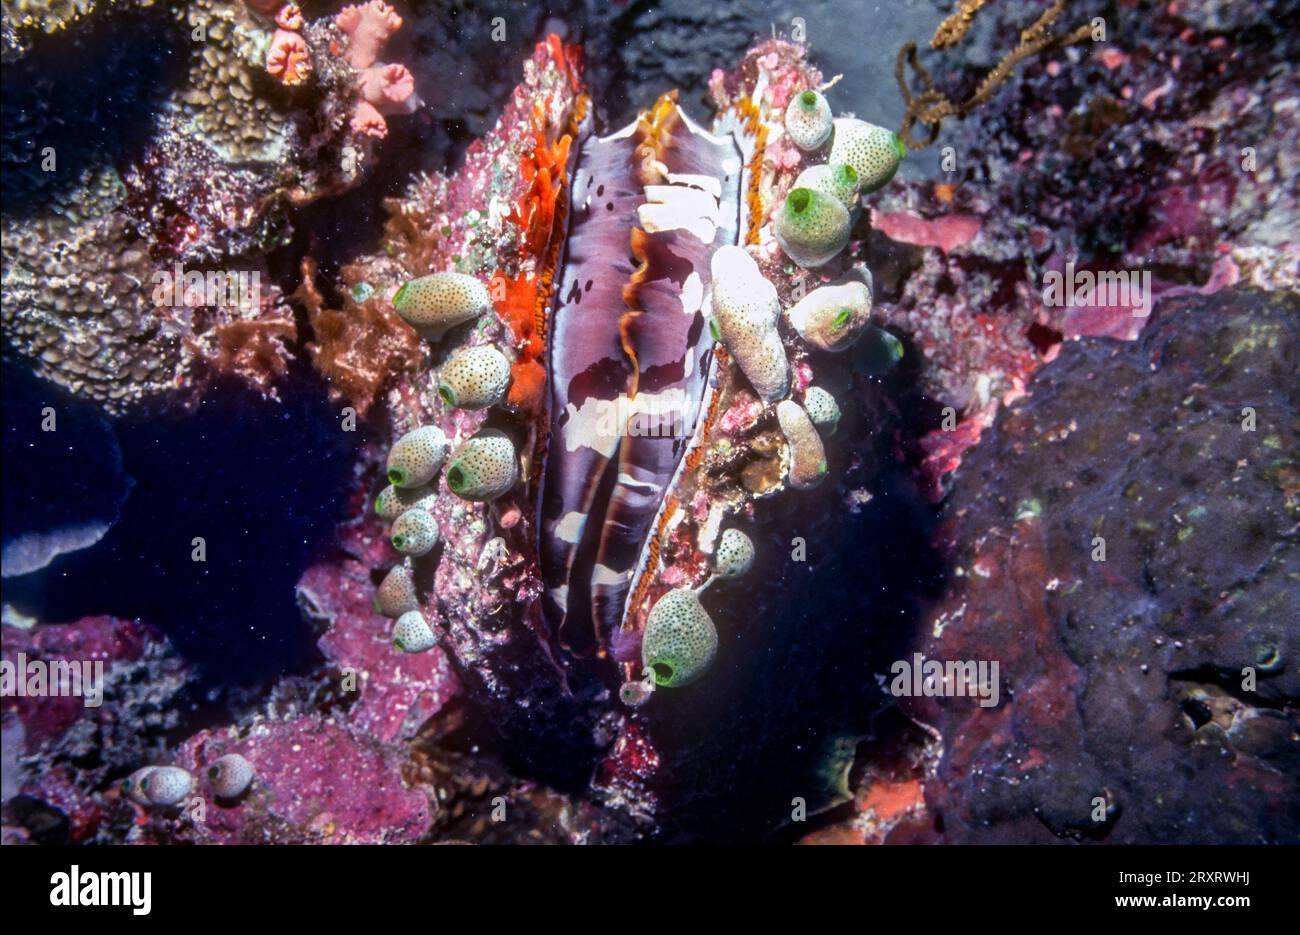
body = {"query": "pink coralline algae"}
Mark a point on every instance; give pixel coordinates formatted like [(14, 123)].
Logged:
[(947, 232), (395, 693), (315, 782), (1074, 185), (106, 641)]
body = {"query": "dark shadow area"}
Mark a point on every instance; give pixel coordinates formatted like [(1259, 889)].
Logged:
[(795, 680), (89, 98), (263, 483)]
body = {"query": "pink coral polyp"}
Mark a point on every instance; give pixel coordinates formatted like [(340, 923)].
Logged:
[(387, 86), (367, 26), (288, 58), (289, 16), (367, 121)]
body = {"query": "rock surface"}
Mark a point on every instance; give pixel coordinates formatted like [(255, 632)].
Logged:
[(1125, 681)]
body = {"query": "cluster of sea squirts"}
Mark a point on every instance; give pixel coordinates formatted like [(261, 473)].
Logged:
[(228, 777), (812, 226)]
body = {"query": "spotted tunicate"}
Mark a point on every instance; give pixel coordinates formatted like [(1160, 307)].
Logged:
[(484, 467), (837, 181), (807, 455), (396, 593), (822, 409), (745, 309), (392, 501), (415, 532), (808, 120), (873, 151), (475, 378), (680, 640), (412, 633), (832, 317), (811, 227), (415, 458), (166, 785), (229, 776), (734, 554), (433, 304), (132, 786)]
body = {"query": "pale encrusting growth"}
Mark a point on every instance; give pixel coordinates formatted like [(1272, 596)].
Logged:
[(396, 593), (484, 467), (745, 309), (680, 640), (433, 304), (416, 457), (832, 317), (807, 456), (874, 152), (475, 378), (229, 776), (412, 633), (811, 227), (808, 120)]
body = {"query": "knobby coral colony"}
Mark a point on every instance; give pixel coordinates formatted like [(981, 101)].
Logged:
[(116, 290), (640, 317)]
